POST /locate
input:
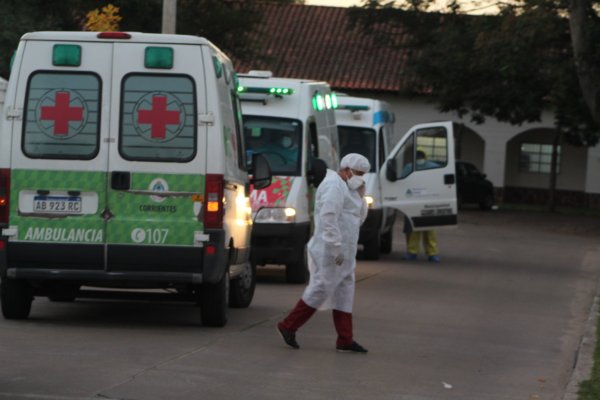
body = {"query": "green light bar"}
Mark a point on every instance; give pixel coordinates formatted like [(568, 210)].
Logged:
[(334, 101), (354, 107), (277, 91), (318, 102), (66, 55), (158, 57), (328, 101)]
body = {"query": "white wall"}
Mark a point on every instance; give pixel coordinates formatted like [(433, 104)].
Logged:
[(493, 155), (592, 180)]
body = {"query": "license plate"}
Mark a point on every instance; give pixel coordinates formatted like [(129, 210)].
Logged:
[(57, 204)]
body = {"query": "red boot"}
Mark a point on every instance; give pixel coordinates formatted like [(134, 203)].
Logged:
[(343, 326), (294, 320)]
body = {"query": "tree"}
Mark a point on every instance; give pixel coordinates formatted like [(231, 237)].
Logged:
[(511, 66), (103, 19), (224, 22)]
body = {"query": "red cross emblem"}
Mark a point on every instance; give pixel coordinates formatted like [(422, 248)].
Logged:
[(61, 113), (159, 117)]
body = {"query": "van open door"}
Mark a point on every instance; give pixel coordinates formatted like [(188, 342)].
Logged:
[(419, 177)]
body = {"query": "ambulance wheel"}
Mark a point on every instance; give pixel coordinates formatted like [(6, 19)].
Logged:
[(213, 302), (297, 272), (386, 241), (16, 297), (372, 248), (241, 290)]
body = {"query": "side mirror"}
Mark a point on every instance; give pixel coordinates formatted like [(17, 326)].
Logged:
[(261, 172), (390, 171), (317, 172)]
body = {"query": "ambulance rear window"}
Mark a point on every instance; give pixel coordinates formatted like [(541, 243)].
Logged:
[(158, 118), (62, 111)]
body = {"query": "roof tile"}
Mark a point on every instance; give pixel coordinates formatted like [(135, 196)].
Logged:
[(316, 42)]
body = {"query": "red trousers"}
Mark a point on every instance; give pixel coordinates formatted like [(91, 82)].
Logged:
[(302, 313)]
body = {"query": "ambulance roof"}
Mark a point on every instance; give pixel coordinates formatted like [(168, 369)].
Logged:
[(136, 37), (362, 111), (264, 81)]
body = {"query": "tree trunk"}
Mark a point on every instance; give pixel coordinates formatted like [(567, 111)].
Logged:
[(589, 74)]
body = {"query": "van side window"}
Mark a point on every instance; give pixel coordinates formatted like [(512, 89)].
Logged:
[(62, 114), (381, 147), (314, 139), (158, 118), (241, 148), (405, 157), (432, 143)]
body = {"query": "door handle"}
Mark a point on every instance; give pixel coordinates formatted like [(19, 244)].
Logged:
[(449, 179), (120, 180)]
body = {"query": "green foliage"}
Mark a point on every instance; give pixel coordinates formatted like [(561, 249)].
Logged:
[(510, 66), (224, 22), (20, 16), (590, 388)]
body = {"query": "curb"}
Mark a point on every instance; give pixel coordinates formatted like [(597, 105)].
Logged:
[(584, 357)]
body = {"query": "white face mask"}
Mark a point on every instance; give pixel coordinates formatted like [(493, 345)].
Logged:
[(420, 161), (355, 182)]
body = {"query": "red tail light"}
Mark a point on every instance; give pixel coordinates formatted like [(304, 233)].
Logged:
[(213, 201), (113, 35), (4, 195)]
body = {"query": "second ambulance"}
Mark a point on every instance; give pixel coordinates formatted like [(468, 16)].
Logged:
[(291, 122)]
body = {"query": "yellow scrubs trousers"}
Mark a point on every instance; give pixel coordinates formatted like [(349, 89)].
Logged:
[(429, 239)]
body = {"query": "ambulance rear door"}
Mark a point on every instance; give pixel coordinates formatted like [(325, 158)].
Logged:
[(157, 158), (425, 191), (58, 161)]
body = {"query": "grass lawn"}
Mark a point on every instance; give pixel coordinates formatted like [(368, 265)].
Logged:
[(590, 389)]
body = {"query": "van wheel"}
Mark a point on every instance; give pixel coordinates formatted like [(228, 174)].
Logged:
[(242, 288), (372, 248), (297, 272), (386, 241), (213, 302), (16, 296), (487, 203)]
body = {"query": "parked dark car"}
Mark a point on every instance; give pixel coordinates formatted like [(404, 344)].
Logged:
[(473, 187)]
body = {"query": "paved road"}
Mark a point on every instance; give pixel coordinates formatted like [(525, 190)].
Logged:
[(500, 318)]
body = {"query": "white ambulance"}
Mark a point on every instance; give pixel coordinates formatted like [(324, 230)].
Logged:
[(366, 126), (291, 122), (122, 164), (3, 85)]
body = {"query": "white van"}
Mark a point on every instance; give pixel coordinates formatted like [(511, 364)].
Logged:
[(291, 122), (424, 193), (122, 164), (3, 85), (366, 126)]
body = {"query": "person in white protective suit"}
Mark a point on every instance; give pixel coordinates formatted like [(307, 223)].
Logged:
[(340, 209)]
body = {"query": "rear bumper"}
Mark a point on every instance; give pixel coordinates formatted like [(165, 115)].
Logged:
[(115, 264), (278, 243)]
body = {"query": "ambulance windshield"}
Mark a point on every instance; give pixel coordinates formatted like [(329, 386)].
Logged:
[(278, 139), (358, 140)]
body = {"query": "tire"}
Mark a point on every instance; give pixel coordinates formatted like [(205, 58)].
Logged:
[(372, 248), (213, 302), (16, 297), (297, 272), (487, 203), (387, 240), (241, 289)]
